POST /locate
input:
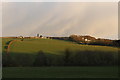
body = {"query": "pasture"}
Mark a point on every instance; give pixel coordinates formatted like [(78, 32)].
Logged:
[(51, 46), (24, 53)]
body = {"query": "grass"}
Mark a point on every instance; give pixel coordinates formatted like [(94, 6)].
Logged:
[(51, 46), (60, 72), (29, 48)]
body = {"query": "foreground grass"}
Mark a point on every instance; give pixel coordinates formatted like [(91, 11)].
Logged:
[(60, 72)]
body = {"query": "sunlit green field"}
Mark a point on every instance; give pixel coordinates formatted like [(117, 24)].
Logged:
[(51, 46), (28, 48)]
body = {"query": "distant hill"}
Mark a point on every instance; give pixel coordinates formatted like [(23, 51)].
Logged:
[(80, 39), (89, 40)]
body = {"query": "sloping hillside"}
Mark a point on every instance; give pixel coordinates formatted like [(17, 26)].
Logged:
[(51, 46), (24, 53)]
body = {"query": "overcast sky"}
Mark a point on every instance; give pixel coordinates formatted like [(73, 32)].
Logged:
[(60, 19)]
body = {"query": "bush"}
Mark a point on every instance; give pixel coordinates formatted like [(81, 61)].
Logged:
[(94, 58), (67, 55), (40, 60), (8, 61)]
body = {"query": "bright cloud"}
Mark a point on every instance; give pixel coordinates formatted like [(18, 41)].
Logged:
[(60, 19)]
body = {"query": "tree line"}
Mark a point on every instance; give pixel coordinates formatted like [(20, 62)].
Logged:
[(69, 58), (89, 40)]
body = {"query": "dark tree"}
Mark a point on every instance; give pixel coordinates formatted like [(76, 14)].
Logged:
[(40, 60), (67, 57), (41, 36), (22, 39), (8, 61)]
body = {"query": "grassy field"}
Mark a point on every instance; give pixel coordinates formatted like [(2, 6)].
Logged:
[(51, 46), (61, 72), (29, 48)]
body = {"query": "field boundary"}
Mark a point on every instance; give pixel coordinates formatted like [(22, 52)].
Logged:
[(11, 42)]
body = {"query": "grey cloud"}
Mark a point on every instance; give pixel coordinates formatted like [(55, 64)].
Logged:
[(60, 19)]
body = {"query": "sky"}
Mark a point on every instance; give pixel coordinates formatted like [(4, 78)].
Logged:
[(97, 19)]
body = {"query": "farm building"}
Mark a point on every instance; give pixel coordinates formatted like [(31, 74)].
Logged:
[(20, 37)]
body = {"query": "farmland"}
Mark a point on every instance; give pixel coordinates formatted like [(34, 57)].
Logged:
[(24, 53), (29, 46)]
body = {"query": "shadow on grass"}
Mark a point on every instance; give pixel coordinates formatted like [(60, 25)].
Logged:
[(27, 60), (69, 58)]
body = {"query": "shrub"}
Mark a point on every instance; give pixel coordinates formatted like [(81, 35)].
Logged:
[(40, 60), (8, 61), (67, 59), (94, 58)]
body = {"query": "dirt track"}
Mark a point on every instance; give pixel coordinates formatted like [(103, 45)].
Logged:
[(8, 47)]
